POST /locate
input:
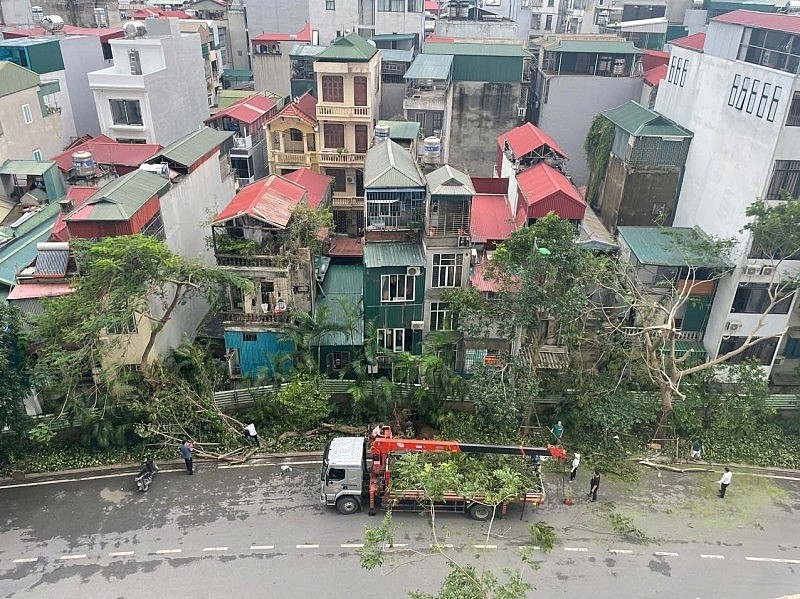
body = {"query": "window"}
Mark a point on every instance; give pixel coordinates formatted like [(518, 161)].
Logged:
[(338, 360), (126, 112), (395, 340), (397, 288), (135, 62), (335, 474), (126, 326), (737, 80), (551, 3), (785, 176), (362, 139), (762, 351), (436, 120), (154, 227), (751, 100), (330, 4), (441, 319), (415, 5), (548, 23), (742, 93), (360, 91), (446, 270), (391, 5), (339, 178), (793, 120), (37, 155), (333, 135), (27, 114), (295, 134), (773, 105), (683, 72), (332, 89), (754, 299), (671, 76), (249, 337), (130, 140)]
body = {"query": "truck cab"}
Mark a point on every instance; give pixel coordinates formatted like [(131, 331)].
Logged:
[(344, 476)]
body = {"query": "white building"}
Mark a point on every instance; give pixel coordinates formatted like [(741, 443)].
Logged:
[(156, 90), (741, 96)]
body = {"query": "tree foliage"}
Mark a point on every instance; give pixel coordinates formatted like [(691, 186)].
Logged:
[(15, 371)]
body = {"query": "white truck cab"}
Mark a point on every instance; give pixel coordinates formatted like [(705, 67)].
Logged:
[(344, 474)]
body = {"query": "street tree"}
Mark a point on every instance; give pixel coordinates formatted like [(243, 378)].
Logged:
[(15, 371)]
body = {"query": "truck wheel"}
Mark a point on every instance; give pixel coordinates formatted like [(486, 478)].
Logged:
[(480, 512), (347, 505)]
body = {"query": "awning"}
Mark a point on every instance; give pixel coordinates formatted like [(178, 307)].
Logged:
[(26, 167), (393, 37), (237, 74), (683, 347)]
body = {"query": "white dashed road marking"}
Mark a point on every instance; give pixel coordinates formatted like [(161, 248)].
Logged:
[(73, 556), (165, 551), (620, 551), (351, 545), (773, 559), (445, 545), (711, 556), (665, 554), (261, 547), (120, 553), (485, 546), (307, 546), (25, 560), (215, 548), (259, 465), (576, 549)]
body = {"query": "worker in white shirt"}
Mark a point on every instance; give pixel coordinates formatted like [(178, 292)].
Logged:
[(250, 431), (724, 482)]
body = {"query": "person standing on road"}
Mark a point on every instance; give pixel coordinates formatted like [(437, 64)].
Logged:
[(697, 449), (594, 484), (575, 463), (725, 482), (186, 451), (558, 431)]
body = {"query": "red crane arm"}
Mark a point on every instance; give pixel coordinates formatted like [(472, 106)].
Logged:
[(385, 445)]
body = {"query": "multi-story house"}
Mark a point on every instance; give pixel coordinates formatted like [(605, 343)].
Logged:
[(576, 77), (395, 63), (77, 13), (271, 59), (429, 97), (228, 19), (292, 135), (643, 178), (63, 61), (30, 123), (95, 161), (740, 96), (492, 19), (252, 238), (157, 73), (348, 77), (301, 69), (247, 119)]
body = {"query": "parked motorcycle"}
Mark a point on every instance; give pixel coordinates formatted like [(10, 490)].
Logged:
[(146, 474)]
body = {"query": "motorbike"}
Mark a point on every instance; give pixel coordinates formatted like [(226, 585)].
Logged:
[(146, 474)]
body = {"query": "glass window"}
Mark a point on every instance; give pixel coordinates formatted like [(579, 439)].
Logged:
[(737, 80), (339, 178), (333, 135), (755, 299), (332, 89), (126, 112), (391, 5), (249, 337), (395, 340), (37, 155), (773, 105), (295, 134), (126, 326), (793, 119), (548, 23), (330, 4), (338, 360), (446, 270), (785, 177), (27, 114), (360, 91), (441, 319), (415, 5), (762, 351), (397, 288)]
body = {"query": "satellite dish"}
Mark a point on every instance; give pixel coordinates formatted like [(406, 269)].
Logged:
[(52, 23)]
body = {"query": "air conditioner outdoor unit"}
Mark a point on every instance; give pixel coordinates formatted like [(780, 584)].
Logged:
[(417, 325), (464, 241), (752, 270), (412, 271), (733, 325), (767, 271), (351, 179)]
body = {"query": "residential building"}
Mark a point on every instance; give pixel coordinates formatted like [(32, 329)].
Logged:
[(403, 133), (649, 33), (212, 64), (301, 69), (642, 181), (429, 98), (338, 18), (395, 62), (654, 70), (271, 60), (342, 285), (47, 276), (489, 96), (293, 136), (247, 120), (153, 79), (348, 76), (542, 189), (95, 161), (30, 124), (63, 61), (229, 21), (740, 96), (495, 20), (575, 77)]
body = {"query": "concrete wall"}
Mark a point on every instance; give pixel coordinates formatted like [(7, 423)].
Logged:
[(238, 42), (481, 112), (277, 16), (328, 22), (82, 54), (271, 71), (81, 12), (392, 95), (482, 29), (15, 12), (19, 139), (572, 102)]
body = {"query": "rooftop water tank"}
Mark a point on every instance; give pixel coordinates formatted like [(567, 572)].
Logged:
[(83, 164), (431, 150), (382, 131)]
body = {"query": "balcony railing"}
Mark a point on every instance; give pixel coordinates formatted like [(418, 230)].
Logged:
[(364, 112), (347, 202), (242, 142), (291, 158), (255, 317), (251, 261), (679, 335), (345, 158)]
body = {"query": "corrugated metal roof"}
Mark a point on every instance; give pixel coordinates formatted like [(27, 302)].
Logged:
[(269, 200), (14, 78), (389, 165), (527, 138), (430, 66), (402, 129), (546, 189), (237, 74), (344, 283), (397, 55), (481, 282), (594, 235), (306, 50), (491, 218), (315, 184), (122, 198), (639, 121), (467, 49), (107, 151), (191, 148), (694, 42), (352, 48), (26, 167), (447, 181), (37, 290), (247, 110), (393, 37), (762, 20), (668, 246), (21, 251), (378, 255), (612, 46)]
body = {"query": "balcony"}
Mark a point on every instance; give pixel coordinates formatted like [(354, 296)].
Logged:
[(426, 98), (242, 142), (344, 112), (278, 262), (290, 158), (236, 316), (341, 159), (347, 202)]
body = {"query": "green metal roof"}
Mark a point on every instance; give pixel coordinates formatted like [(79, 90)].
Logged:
[(36, 168), (592, 46), (120, 199), (393, 37), (14, 78), (643, 122), (191, 148), (430, 66), (388, 165), (390, 253), (467, 49), (669, 246), (397, 55), (344, 283), (352, 48), (684, 347), (402, 129), (237, 74), (21, 251), (447, 181), (305, 50)]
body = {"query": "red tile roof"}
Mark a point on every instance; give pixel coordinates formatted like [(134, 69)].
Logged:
[(432, 6), (654, 76), (36, 290), (691, 42), (479, 280), (491, 218), (107, 151), (304, 35), (104, 33), (304, 109), (345, 247), (247, 110), (527, 138), (653, 58), (159, 13), (490, 185), (546, 190), (436, 39), (78, 194), (315, 184), (762, 20), (269, 200)]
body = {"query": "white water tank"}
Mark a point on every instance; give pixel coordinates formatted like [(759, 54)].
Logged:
[(431, 150), (382, 131), (157, 169), (83, 164)]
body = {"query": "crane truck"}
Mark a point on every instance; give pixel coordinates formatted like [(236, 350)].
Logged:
[(356, 472)]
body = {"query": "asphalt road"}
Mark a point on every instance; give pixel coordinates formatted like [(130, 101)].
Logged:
[(259, 531)]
